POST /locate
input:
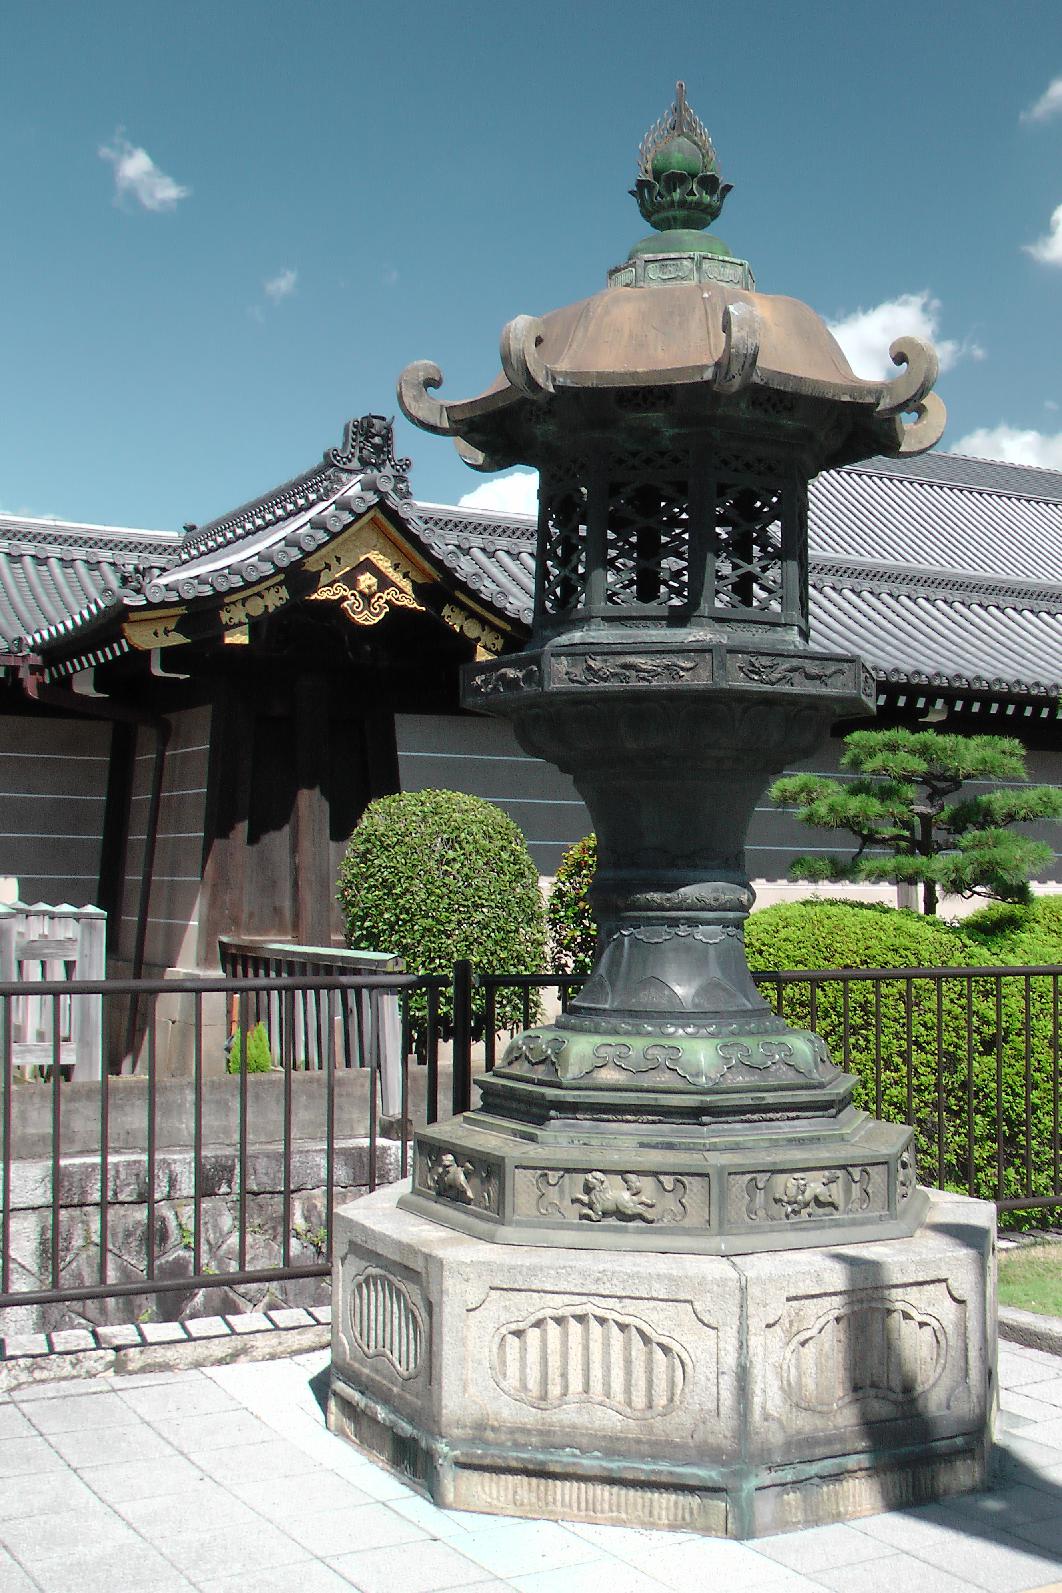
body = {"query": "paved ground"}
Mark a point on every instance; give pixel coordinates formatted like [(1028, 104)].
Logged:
[(225, 1481)]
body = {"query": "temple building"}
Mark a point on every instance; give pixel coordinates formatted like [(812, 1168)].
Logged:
[(193, 722)]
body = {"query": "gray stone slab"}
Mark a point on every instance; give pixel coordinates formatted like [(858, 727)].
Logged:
[(77, 1415), (308, 1576), (14, 1580), (982, 1556), (25, 1344), (13, 1423), (433, 1566), (271, 1458), (163, 1332), (516, 1548), (283, 1500), (597, 1576), (102, 1570), (896, 1573), (202, 1397), (118, 1336), (136, 1441), (207, 1327), (214, 1553), (290, 1317), (69, 1340), (49, 1491), (142, 1479), (249, 1322), (23, 1457), (821, 1548), (329, 1533), (58, 1534), (220, 1430)]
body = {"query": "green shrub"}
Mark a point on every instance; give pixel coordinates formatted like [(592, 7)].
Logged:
[(434, 876), (255, 1057), (572, 930), (983, 1060)]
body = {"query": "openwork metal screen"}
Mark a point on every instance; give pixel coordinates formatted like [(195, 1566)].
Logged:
[(747, 560), (564, 535), (647, 557)]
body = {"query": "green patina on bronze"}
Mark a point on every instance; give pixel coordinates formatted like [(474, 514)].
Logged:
[(679, 187), (675, 420)]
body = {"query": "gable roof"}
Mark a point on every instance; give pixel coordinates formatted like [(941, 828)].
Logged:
[(939, 570)]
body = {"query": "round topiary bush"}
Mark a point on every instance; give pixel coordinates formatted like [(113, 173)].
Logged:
[(572, 930), (983, 1068), (434, 876)]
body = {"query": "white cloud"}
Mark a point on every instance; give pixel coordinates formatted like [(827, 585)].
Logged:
[(1049, 104), (1048, 250), (516, 493), (1015, 446), (282, 286), (865, 335), (137, 177)]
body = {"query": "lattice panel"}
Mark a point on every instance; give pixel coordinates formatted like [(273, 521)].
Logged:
[(748, 547), (564, 548), (647, 557)]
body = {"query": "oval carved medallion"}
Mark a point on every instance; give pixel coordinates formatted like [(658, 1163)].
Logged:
[(385, 1322), (589, 1355)]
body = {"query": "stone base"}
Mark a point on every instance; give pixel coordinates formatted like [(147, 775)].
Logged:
[(736, 1396)]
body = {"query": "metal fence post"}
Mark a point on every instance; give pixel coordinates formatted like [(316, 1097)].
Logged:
[(462, 1035)]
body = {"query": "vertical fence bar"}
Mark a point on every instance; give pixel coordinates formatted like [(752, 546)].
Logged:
[(105, 1155), (462, 1046), (813, 1002), (1028, 1086), (526, 1006), (431, 1105), (8, 1088), (242, 1138), (406, 1126), (1054, 1083), (970, 1168), (940, 1081), (152, 1124), (57, 1135), (909, 1003), (877, 1047), (335, 997), (361, 1007), (288, 1064), (197, 1130), (490, 1026), (999, 1086), (846, 1043)]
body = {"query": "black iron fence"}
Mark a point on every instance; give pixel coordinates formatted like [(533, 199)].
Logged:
[(187, 1177)]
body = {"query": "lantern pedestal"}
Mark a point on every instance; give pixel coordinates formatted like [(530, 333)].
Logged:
[(734, 1396)]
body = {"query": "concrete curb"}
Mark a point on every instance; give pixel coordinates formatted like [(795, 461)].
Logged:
[(27, 1358), (1029, 1328)]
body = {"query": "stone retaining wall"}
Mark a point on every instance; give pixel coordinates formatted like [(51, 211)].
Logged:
[(126, 1234)]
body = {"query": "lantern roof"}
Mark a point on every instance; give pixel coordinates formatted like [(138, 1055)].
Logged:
[(682, 314)]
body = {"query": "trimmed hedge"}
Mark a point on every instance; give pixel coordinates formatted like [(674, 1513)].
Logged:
[(572, 930), (983, 1062), (434, 876)]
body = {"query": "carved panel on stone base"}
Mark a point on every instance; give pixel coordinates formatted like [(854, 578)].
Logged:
[(383, 1322), (799, 1195), (588, 1195)]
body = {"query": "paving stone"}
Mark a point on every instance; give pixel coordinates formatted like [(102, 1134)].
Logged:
[(291, 1317), (434, 1565), (71, 1339), (172, 1400), (602, 1576), (142, 1479), (14, 1580), (306, 1576), (74, 1415), (91, 1569), (250, 1322), (118, 1336), (219, 1430), (24, 1457), (214, 1553), (963, 1547), (163, 1332), (25, 1344), (137, 1441), (322, 1313), (896, 1573), (57, 1534), (514, 1549), (329, 1533), (208, 1327), (13, 1424), (820, 1548)]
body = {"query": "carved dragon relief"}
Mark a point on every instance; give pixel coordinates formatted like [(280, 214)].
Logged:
[(469, 1183), (596, 1196)]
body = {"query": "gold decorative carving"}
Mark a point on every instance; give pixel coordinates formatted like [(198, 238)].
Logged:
[(253, 603), (369, 591), (155, 630), (385, 1322), (488, 641), (590, 1355), (365, 539)]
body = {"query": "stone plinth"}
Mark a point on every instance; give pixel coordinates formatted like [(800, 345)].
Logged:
[(734, 1396)]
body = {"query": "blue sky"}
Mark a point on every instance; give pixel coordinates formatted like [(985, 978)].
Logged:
[(226, 227)]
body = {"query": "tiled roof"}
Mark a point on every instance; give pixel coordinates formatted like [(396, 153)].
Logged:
[(938, 570)]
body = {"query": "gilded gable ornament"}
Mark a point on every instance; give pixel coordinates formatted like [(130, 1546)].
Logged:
[(368, 591)]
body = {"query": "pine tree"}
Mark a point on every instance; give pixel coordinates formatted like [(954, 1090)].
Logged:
[(912, 823)]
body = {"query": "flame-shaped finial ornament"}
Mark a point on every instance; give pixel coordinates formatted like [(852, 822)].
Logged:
[(678, 183)]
